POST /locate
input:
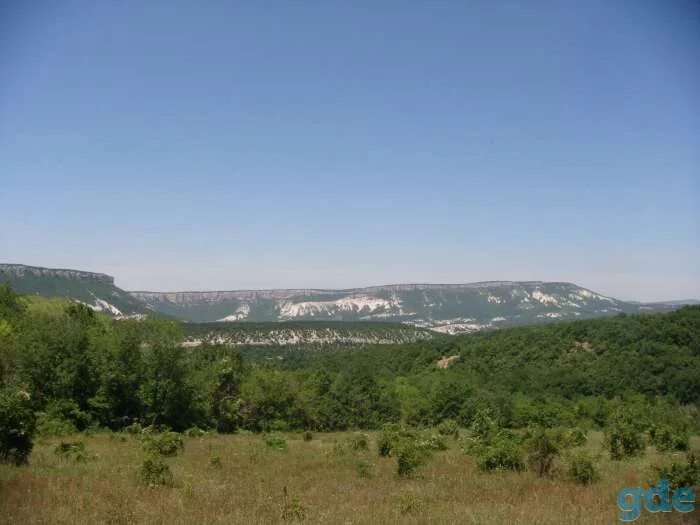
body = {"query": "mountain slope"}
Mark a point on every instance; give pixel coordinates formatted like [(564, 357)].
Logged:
[(448, 308), (96, 290)]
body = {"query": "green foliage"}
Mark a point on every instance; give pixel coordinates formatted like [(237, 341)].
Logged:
[(74, 450), (667, 438), (448, 427), (409, 456), (17, 426), (582, 468), (680, 473), (500, 453), (307, 435), (275, 441), (542, 448), (165, 444), (624, 441), (156, 472), (195, 431)]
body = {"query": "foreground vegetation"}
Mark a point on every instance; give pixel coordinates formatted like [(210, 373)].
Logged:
[(117, 421), (241, 479)]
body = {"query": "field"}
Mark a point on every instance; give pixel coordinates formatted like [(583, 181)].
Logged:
[(240, 479)]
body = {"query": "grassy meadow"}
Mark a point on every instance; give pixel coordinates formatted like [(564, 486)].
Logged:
[(240, 479)]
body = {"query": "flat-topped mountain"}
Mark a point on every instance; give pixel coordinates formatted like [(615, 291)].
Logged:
[(447, 308), (97, 290)]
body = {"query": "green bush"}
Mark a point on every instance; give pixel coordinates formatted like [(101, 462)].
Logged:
[(582, 468), (542, 448), (389, 439), (17, 426), (409, 456), (166, 444), (195, 431), (430, 441), (680, 473), (74, 450), (448, 427), (156, 472), (275, 441), (575, 437), (666, 438), (48, 425), (624, 441), (500, 453), (308, 436)]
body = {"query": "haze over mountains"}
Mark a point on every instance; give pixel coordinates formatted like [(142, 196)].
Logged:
[(446, 308)]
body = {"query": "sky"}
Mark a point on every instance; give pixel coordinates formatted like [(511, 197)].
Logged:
[(225, 145)]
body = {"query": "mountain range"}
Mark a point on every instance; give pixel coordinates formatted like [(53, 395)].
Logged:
[(446, 308)]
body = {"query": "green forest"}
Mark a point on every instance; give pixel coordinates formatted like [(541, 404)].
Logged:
[(64, 368)]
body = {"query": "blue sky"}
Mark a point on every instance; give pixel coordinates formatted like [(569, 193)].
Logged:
[(205, 145)]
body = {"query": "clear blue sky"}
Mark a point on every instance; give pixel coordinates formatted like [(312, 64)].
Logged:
[(219, 145)]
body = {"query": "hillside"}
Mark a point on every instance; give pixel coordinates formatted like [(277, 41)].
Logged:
[(96, 290), (442, 308), (445, 308)]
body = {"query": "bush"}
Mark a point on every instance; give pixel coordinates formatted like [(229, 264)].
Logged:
[(166, 444), (359, 441), (575, 437), (430, 441), (448, 427), (215, 461), (680, 474), (624, 441), (72, 450), (195, 431), (666, 438), (389, 439), (134, 429), (502, 453), (47, 425), (582, 468), (308, 436), (276, 441), (17, 426), (155, 472), (409, 456), (542, 448)]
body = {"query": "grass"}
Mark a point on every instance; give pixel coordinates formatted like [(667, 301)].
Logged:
[(310, 480)]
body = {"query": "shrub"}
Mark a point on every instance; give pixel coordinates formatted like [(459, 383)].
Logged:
[(430, 441), (308, 436), (72, 450), (17, 426), (501, 453), (292, 509), (448, 427), (215, 461), (575, 437), (409, 456), (680, 474), (165, 444), (582, 468), (666, 438), (155, 472), (389, 439), (275, 441), (359, 441), (134, 429), (195, 431), (542, 448), (410, 503), (624, 441), (47, 425)]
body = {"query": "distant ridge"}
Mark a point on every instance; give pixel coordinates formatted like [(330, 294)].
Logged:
[(446, 308)]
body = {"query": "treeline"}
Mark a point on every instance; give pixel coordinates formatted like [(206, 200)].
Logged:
[(75, 369)]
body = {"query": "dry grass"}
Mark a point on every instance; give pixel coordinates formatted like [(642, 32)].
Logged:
[(249, 483)]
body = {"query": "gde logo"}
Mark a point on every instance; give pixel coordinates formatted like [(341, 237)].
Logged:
[(656, 499)]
